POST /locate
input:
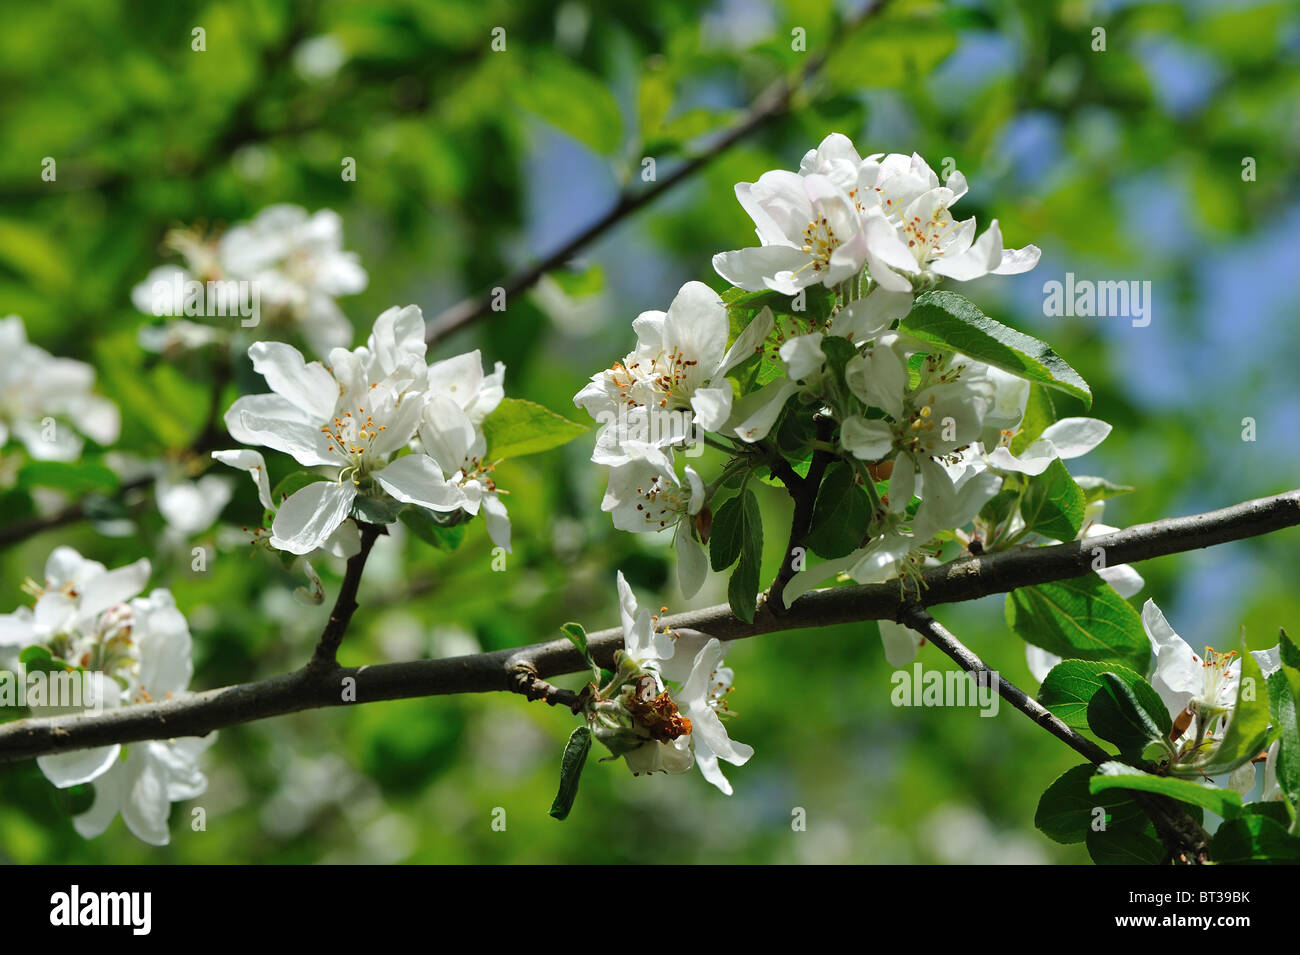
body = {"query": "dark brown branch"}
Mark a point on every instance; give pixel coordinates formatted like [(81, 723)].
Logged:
[(966, 579), (803, 491), (327, 650), (1181, 834), (772, 102)]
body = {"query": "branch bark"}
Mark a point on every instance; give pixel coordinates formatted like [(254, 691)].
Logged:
[(198, 714), (772, 102)]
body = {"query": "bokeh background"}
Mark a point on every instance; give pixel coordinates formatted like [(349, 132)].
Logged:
[(1122, 164)]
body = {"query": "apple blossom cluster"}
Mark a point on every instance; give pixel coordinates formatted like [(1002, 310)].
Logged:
[(48, 403), (387, 430), (831, 342), (125, 648), (293, 259), (657, 730)]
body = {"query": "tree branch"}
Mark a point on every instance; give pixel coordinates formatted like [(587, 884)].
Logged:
[(772, 102), (1181, 834), (198, 714), (803, 491), (327, 650)]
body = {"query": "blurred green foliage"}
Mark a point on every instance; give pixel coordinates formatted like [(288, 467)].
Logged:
[(1119, 164)]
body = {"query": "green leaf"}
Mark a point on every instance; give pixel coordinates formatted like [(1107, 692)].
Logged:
[(1053, 504), (1099, 489), (1125, 846), (75, 477), (953, 322), (377, 510), (572, 99), (36, 658), (840, 514), (742, 588), (574, 759), (1131, 716), (292, 483), (1255, 839), (1284, 702), (422, 523), (1067, 809), (999, 507), (1081, 619), (574, 633), (734, 523), (518, 427), (1247, 732), (1071, 684), (1287, 649), (1114, 775)]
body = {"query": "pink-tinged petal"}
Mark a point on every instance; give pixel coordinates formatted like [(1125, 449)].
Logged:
[(310, 515), (417, 479), (308, 387)]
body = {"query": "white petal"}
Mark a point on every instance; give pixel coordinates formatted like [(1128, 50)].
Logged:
[(417, 479), (1074, 437), (255, 465), (758, 410), (305, 442), (1040, 661), (751, 268), (692, 564), (712, 406), (900, 642), (80, 766), (308, 387), (310, 515), (1015, 261), (866, 440), (748, 342)]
